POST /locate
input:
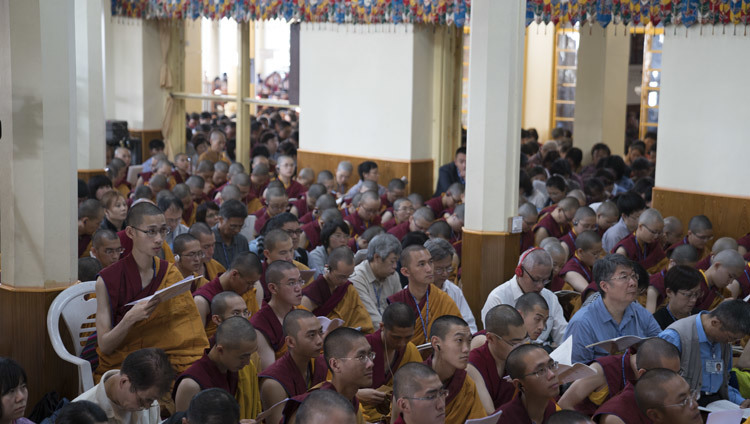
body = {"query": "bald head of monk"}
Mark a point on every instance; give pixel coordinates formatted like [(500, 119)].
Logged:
[(558, 254), (88, 269), (567, 416), (106, 247), (243, 272), (665, 397), (533, 373), (157, 183), (284, 283), (421, 219), (369, 206), (650, 226), (343, 172), (683, 254), (236, 341), (325, 407), (607, 215), (450, 337), (325, 178), (584, 219), (580, 195), (276, 200), (535, 311), (536, 268), (221, 169), (723, 243), (456, 220), (673, 231), (505, 329), (454, 195), (440, 230), (188, 254), (90, 216), (589, 248), (306, 176), (413, 383), (397, 325), (303, 334), (230, 192), (147, 227), (657, 353), (726, 266), (396, 189), (278, 246), (700, 231), (228, 304), (350, 359), (212, 406), (196, 183), (340, 265), (206, 237), (259, 174), (565, 210), (416, 199), (369, 185), (530, 215)]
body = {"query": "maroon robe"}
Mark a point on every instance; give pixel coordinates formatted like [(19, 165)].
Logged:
[(265, 322), (457, 247), (744, 280), (286, 373), (385, 204), (575, 265), (263, 217), (399, 420), (319, 292), (358, 225), (262, 279), (123, 283), (570, 240), (208, 291), (400, 230), (657, 281), (514, 412), (257, 190), (453, 385), (744, 241), (177, 177), (614, 367), (306, 218), (548, 209), (527, 241), (312, 232), (301, 205), (590, 289), (623, 407), (294, 403), (648, 256), (389, 224), (553, 228), (436, 204), (205, 372), (701, 253), (704, 263), (708, 295), (295, 190), (83, 243), (146, 176), (381, 375), (501, 391)]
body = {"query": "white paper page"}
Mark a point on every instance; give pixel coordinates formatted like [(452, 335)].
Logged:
[(169, 292), (492, 419)]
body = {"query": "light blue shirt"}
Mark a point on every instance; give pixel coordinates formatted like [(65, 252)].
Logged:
[(594, 323), (613, 235), (710, 382)]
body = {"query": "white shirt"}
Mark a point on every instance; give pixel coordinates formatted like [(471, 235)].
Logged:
[(116, 415), (509, 292), (457, 295), (373, 292)]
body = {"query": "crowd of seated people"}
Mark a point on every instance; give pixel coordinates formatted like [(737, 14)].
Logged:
[(314, 301)]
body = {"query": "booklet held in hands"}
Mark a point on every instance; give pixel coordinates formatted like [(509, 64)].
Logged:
[(169, 292)]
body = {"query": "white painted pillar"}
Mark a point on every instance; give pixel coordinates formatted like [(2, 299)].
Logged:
[(90, 85), (494, 121), (38, 147), (602, 89)]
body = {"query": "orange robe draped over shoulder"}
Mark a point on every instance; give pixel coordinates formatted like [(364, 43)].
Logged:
[(463, 401), (435, 304), (343, 303), (174, 326)]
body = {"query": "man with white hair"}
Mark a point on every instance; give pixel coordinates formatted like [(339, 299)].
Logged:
[(532, 274), (375, 279)]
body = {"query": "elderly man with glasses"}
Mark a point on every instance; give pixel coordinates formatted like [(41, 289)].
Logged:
[(532, 274), (614, 314)]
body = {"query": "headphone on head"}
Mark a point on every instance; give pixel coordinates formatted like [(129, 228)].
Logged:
[(519, 270)]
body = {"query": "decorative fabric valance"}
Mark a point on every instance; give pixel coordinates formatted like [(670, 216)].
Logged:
[(639, 12), (439, 12)]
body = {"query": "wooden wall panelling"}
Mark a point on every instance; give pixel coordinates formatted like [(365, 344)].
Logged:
[(730, 215), (418, 172), (24, 337), (488, 260), (86, 174)]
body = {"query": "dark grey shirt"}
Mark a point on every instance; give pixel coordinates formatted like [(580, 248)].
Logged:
[(225, 254)]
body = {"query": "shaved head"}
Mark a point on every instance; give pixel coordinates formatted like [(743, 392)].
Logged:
[(408, 378), (247, 264), (291, 321), (325, 407), (578, 194), (500, 318), (141, 210), (672, 224), (180, 243), (649, 390), (275, 271), (398, 315), (730, 259), (442, 326), (90, 208), (528, 301), (654, 353), (516, 363), (609, 209), (568, 204), (219, 303), (527, 210), (341, 255), (102, 235), (456, 189), (424, 213), (200, 229), (235, 330), (724, 243), (587, 240), (584, 212), (230, 192), (684, 254), (339, 342), (326, 201), (650, 217), (275, 193), (699, 223), (369, 196), (274, 238)]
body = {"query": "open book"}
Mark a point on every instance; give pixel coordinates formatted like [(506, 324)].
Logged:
[(565, 293), (568, 371), (719, 407), (330, 324), (491, 419), (169, 292), (618, 344)]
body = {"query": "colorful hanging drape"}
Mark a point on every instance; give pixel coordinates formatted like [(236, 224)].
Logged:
[(439, 12), (638, 12)]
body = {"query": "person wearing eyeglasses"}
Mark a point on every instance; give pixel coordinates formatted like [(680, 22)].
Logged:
[(577, 272), (420, 395), (630, 205), (402, 210), (530, 216), (534, 376), (301, 367), (726, 267), (532, 274), (583, 220), (189, 257), (704, 340), (419, 221), (106, 247), (325, 407), (682, 284), (332, 295), (219, 367), (666, 398), (90, 216), (172, 208), (241, 278), (644, 245), (505, 330), (652, 354), (351, 361), (700, 232), (122, 328), (130, 394), (229, 241), (427, 302), (304, 206), (393, 350), (614, 314), (278, 245), (366, 214), (442, 259), (556, 223), (450, 338), (285, 285), (656, 295)]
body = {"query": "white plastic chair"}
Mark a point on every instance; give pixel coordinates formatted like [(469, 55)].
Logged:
[(75, 310)]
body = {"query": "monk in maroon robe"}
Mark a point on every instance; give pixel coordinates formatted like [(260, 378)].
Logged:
[(532, 369), (644, 246), (366, 214), (556, 223)]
